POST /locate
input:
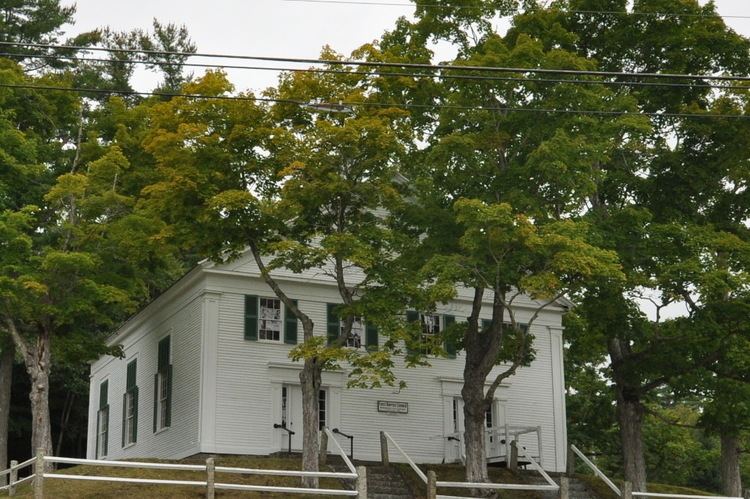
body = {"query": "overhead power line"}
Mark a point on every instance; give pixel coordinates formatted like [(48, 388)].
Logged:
[(251, 98), (379, 73), (565, 11), (379, 64)]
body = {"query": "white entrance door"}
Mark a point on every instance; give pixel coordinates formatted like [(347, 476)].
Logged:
[(494, 431), (291, 416)]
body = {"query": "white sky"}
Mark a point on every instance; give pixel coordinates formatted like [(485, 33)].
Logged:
[(273, 27)]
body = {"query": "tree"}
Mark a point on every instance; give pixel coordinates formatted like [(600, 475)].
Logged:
[(299, 186)]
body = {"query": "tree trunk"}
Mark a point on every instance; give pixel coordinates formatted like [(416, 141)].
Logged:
[(310, 379), (731, 481), (630, 417), (6, 382), (474, 441)]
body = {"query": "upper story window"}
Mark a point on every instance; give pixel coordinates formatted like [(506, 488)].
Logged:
[(361, 335), (269, 319), (432, 326)]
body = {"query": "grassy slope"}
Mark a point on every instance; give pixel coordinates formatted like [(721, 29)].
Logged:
[(79, 489), (455, 473), (604, 492)]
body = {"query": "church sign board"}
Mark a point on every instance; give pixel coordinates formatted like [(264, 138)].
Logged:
[(393, 407)]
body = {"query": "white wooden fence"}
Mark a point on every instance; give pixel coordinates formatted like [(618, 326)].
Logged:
[(431, 482), (627, 488), (357, 475)]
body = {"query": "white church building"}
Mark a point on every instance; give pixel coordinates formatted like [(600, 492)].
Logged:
[(206, 370)]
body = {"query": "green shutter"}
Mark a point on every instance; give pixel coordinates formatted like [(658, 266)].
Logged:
[(103, 389), (168, 411), (135, 414), (411, 316), (371, 337), (486, 324), (163, 359), (105, 447), (131, 374), (290, 326), (251, 318), (96, 449), (156, 402), (450, 342), (124, 415), (334, 323)]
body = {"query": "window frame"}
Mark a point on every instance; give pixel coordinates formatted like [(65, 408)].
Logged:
[(162, 388)]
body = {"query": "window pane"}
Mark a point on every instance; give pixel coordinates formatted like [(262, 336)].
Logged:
[(358, 332)]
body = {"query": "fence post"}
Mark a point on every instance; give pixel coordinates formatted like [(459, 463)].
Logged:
[(746, 495), (627, 490), (323, 458), (39, 474), (13, 478), (210, 478), (513, 455), (570, 467), (361, 482), (431, 485), (384, 449), (564, 487)]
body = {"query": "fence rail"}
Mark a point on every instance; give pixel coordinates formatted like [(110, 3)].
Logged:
[(358, 475), (596, 470)]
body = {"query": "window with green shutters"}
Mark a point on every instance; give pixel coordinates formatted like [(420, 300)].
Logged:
[(430, 326), (102, 420), (130, 406), (163, 386), (360, 330), (264, 320)]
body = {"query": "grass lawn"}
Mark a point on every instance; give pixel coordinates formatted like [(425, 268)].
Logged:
[(604, 492), (455, 473), (80, 489)]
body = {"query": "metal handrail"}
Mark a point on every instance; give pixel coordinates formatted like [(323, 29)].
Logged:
[(288, 431), (341, 451), (351, 440), (596, 470), (413, 465)]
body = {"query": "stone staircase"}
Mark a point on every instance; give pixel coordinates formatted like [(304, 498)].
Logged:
[(382, 482), (578, 488)]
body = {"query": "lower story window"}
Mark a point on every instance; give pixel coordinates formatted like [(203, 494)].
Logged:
[(130, 418), (322, 413), (103, 436), (163, 399)]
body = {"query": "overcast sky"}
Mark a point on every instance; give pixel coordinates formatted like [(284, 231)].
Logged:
[(274, 27)]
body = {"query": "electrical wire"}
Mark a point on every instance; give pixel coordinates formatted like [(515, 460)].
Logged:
[(377, 73), (379, 64), (250, 98)]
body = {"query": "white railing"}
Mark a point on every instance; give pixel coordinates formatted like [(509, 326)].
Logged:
[(39, 475), (13, 481), (680, 496), (409, 460), (628, 493), (343, 455), (432, 483), (596, 470)]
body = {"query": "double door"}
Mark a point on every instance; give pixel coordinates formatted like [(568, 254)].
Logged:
[(291, 415), (494, 431)]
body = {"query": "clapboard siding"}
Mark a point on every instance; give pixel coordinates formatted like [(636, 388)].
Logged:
[(182, 321)]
